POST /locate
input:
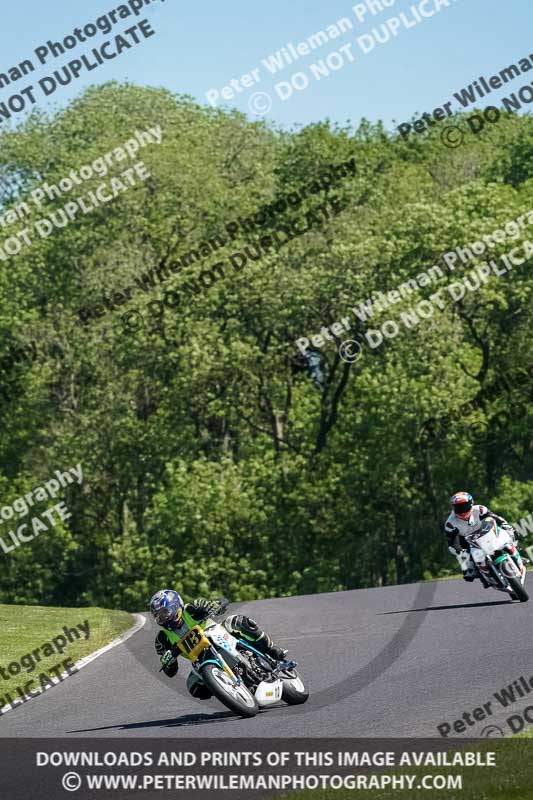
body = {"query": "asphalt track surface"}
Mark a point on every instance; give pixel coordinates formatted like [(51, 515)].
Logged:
[(394, 661)]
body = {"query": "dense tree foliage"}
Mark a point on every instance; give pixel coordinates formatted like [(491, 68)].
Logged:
[(212, 460)]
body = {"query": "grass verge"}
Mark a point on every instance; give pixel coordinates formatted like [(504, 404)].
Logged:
[(35, 635)]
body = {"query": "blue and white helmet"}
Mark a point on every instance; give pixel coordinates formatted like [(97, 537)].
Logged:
[(166, 607)]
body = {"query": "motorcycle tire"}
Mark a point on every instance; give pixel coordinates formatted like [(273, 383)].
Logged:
[(518, 590), (238, 699), (293, 695)]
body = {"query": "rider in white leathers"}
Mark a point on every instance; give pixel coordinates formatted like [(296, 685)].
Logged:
[(466, 518)]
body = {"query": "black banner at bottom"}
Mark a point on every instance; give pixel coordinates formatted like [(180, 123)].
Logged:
[(55, 769)]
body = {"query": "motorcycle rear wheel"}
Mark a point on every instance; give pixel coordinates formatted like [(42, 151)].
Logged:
[(518, 590), (294, 695), (237, 698)]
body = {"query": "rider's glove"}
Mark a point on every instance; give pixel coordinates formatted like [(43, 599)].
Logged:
[(465, 560), (212, 608), (508, 527), (167, 659)]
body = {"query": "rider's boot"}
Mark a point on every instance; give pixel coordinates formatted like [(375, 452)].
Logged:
[(270, 648), (483, 573), (251, 631), (275, 652), (484, 581)]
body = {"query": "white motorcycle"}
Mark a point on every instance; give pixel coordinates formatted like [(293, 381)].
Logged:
[(236, 673), (492, 546)]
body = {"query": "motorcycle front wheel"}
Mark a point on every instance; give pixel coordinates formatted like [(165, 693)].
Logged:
[(518, 590), (236, 697)]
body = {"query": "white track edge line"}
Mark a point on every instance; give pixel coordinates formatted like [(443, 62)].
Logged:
[(140, 621)]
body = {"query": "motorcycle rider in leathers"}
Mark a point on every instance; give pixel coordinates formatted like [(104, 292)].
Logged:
[(167, 609), (466, 517)]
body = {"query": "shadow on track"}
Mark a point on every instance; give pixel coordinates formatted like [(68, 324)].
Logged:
[(448, 608), (171, 722)]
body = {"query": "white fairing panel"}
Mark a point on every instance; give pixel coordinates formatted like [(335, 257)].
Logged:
[(268, 692), (222, 638), (489, 544)]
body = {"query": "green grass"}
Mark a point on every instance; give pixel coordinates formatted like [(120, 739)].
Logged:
[(23, 629), (454, 576), (510, 779)]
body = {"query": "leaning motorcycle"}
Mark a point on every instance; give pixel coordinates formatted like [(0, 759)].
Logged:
[(237, 674), (492, 546)]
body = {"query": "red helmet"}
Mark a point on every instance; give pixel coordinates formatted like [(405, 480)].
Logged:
[(462, 503)]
